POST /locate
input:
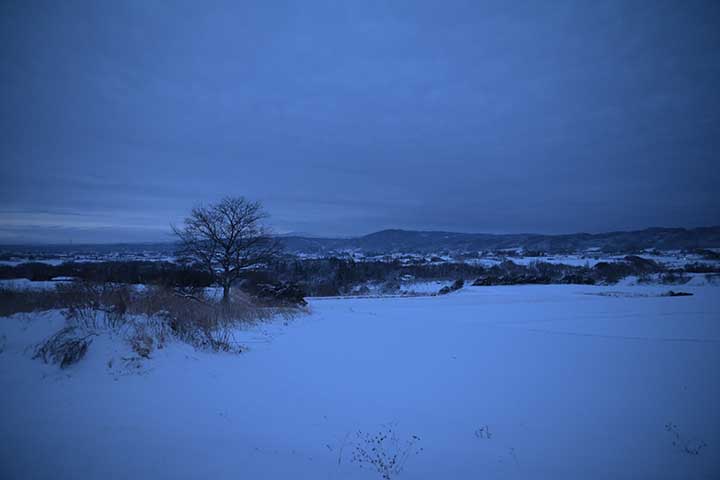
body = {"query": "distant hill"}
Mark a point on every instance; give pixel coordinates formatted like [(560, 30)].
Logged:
[(408, 241)]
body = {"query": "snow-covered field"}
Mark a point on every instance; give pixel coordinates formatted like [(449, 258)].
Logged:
[(669, 258), (560, 382)]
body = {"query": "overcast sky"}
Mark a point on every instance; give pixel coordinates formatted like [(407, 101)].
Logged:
[(350, 117)]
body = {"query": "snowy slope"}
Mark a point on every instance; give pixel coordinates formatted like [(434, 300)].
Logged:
[(497, 382)]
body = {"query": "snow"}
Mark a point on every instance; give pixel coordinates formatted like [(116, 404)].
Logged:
[(25, 284), (423, 288), (572, 260), (516, 382), (15, 263)]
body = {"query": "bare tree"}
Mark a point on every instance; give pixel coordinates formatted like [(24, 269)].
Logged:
[(227, 238)]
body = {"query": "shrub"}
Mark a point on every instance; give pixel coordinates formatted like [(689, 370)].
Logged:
[(457, 285), (390, 287), (95, 305), (612, 272), (65, 347), (672, 293), (674, 278), (195, 318), (276, 293), (384, 451), (141, 342), (642, 265), (701, 268)]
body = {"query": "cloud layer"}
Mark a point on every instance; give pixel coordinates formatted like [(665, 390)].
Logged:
[(566, 116)]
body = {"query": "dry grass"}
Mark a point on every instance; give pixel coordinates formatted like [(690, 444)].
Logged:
[(65, 347), (147, 318), (26, 300)]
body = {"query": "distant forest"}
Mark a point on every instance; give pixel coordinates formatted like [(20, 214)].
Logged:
[(334, 276)]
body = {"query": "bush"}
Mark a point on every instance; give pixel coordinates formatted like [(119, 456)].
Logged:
[(192, 316), (701, 268), (276, 293), (674, 278), (390, 287), (457, 285), (65, 347), (385, 452), (607, 272), (95, 305), (141, 342), (642, 265)]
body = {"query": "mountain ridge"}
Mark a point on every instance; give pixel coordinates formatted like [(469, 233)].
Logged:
[(433, 241), (420, 241)]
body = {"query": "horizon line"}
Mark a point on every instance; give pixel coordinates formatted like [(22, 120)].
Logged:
[(350, 237)]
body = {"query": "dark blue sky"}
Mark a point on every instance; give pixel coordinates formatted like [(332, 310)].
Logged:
[(349, 117)]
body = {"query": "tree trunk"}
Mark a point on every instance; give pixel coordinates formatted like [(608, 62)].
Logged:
[(226, 292)]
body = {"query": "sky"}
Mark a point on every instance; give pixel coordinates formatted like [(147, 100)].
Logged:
[(344, 118)]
